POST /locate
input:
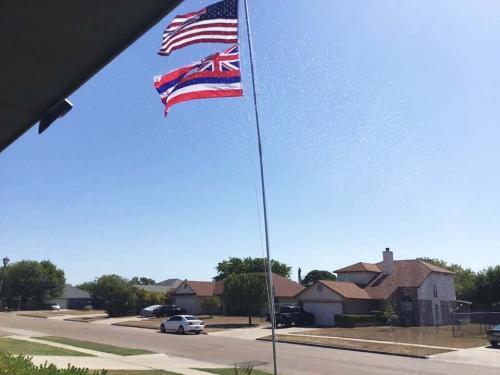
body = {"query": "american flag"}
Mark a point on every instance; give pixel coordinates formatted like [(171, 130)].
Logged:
[(217, 23), (216, 76)]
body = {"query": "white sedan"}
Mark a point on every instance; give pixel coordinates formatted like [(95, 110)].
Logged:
[(182, 324)]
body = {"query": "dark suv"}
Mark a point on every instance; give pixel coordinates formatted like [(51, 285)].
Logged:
[(293, 315), (168, 310)]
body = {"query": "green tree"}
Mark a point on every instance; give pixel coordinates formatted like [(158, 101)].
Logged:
[(142, 281), (316, 275), (488, 288), (115, 294), (465, 278), (147, 298), (211, 305), (245, 294), (31, 283), (249, 265)]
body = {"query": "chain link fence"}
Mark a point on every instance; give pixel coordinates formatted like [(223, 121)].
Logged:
[(473, 323)]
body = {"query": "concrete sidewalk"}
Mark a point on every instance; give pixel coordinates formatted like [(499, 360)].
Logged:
[(68, 316), (483, 356), (255, 332), (110, 361)]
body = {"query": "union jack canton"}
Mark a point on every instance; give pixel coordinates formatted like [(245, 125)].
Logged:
[(216, 76)]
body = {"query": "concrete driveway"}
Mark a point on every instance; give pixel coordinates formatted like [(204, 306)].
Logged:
[(485, 356)]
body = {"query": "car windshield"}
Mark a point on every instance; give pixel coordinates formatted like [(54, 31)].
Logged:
[(191, 317), (497, 328)]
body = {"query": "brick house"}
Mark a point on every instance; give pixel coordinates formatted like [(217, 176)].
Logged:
[(191, 294), (421, 293)]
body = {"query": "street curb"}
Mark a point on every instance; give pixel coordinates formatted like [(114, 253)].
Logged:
[(350, 349)]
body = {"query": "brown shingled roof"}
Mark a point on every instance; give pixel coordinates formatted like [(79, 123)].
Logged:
[(360, 267), (346, 289), (406, 274), (200, 288), (283, 287)]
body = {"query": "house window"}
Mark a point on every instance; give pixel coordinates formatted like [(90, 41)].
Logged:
[(319, 288), (435, 291)]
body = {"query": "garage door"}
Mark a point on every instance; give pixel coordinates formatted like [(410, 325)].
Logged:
[(191, 304), (324, 312)]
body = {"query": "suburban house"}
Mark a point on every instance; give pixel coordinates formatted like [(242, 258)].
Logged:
[(72, 298), (191, 294), (421, 293), (166, 286)]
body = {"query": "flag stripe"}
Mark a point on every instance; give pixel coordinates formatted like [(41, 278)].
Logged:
[(214, 35), (206, 94), (216, 76), (219, 28), (217, 23), (165, 53)]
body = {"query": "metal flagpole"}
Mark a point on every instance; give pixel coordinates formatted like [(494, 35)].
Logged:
[(262, 184)]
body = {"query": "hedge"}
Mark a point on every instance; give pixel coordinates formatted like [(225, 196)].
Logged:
[(21, 365), (356, 318)]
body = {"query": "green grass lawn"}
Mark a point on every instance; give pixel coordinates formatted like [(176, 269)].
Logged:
[(33, 348), (118, 350), (231, 371)]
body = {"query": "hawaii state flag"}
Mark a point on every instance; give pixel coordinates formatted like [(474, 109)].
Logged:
[(216, 76)]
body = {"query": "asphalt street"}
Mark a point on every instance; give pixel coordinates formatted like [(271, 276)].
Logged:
[(292, 359)]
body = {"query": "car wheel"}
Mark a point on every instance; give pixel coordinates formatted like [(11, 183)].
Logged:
[(197, 332), (180, 330), (494, 343), (162, 329)]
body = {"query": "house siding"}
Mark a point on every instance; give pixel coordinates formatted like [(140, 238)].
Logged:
[(361, 278), (435, 310), (319, 293), (406, 304), (360, 306)]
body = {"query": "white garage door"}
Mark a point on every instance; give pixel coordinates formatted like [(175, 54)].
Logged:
[(324, 312), (191, 304)]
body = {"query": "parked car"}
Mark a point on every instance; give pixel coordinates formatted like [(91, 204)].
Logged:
[(293, 315), (159, 311), (182, 324), (149, 311), (53, 306), (494, 335), (168, 310)]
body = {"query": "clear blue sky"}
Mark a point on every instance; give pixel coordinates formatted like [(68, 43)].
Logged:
[(380, 128)]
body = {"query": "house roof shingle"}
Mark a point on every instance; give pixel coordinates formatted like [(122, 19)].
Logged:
[(283, 287), (71, 292), (346, 289), (360, 267), (406, 274), (202, 288)]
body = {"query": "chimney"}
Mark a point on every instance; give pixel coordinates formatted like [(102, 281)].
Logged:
[(388, 261)]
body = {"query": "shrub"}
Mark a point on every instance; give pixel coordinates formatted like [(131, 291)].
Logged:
[(211, 305), (22, 365), (389, 315), (355, 318), (146, 298)]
